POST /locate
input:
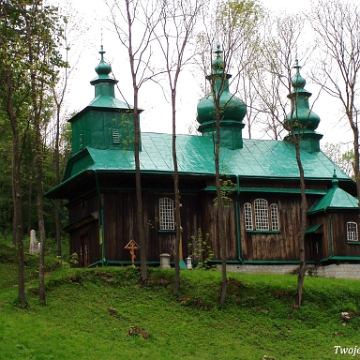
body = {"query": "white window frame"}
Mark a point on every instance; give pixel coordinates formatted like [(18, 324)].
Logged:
[(261, 211), (352, 231), (248, 216), (167, 215), (274, 214)]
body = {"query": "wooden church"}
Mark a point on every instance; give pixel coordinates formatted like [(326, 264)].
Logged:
[(262, 221)]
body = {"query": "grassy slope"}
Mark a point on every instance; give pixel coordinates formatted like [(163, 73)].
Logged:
[(259, 317)]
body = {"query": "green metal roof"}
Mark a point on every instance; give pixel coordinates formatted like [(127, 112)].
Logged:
[(335, 199), (312, 229), (258, 158)]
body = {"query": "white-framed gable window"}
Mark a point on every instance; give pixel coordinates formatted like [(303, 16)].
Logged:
[(248, 216), (274, 213), (166, 211), (261, 214), (351, 231)]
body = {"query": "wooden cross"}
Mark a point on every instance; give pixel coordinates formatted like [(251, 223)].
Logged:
[(132, 246)]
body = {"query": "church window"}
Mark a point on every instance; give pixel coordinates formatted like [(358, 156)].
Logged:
[(274, 217), (166, 209), (248, 216), (352, 231), (261, 214)]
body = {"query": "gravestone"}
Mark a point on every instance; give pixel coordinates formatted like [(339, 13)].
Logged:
[(34, 245)]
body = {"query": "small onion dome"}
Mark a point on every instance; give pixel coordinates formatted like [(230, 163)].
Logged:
[(103, 69), (301, 116), (232, 109)]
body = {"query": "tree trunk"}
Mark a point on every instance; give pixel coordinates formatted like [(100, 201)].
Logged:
[(139, 207), (57, 179), (177, 199), (302, 268), (18, 219), (221, 238)]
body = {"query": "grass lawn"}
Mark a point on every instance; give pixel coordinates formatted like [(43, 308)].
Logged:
[(90, 313)]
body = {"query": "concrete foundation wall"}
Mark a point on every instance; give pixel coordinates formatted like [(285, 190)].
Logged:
[(338, 271)]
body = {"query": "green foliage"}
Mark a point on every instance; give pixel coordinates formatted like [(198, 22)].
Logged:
[(200, 250), (227, 188), (238, 16), (74, 259), (33, 33)]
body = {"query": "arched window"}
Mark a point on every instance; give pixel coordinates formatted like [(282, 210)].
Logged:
[(352, 231), (261, 214), (248, 216), (166, 211), (274, 213)]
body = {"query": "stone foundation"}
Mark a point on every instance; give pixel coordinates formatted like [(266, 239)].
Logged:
[(338, 271)]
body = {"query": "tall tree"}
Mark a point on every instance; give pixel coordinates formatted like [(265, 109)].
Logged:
[(337, 27), (134, 22), (15, 91), (234, 22), (177, 22), (41, 35), (274, 79), (70, 23)]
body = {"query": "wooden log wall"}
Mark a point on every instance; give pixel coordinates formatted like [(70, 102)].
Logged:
[(121, 224), (341, 247)]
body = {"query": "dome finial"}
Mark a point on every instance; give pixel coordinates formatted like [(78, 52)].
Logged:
[(103, 68), (218, 65), (102, 52), (298, 81)]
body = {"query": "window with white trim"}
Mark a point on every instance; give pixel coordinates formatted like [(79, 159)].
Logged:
[(352, 231), (248, 216), (166, 211), (274, 214), (261, 214)]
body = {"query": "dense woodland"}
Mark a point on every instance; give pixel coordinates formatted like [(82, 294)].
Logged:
[(260, 49)]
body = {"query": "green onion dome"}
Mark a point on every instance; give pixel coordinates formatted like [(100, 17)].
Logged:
[(232, 109), (301, 116)]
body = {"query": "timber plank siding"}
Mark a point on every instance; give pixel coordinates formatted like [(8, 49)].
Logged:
[(342, 247)]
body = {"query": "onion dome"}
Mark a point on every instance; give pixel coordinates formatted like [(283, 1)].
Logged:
[(301, 116), (302, 121), (103, 68), (232, 109)]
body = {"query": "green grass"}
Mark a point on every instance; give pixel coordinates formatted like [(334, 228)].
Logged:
[(259, 317)]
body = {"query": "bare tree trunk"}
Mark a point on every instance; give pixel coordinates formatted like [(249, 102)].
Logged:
[(139, 203), (221, 238), (18, 220), (302, 268), (57, 178), (28, 228), (177, 199)]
